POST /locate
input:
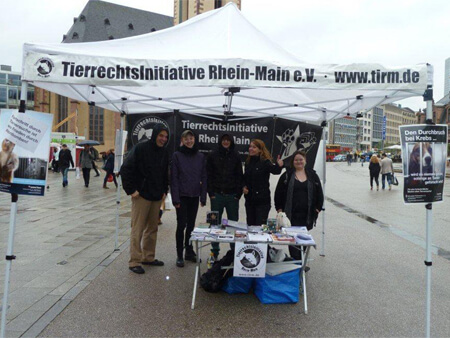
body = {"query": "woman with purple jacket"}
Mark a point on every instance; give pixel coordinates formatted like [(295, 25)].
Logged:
[(188, 186)]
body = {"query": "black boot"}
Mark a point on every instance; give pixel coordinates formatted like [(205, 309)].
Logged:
[(190, 255)]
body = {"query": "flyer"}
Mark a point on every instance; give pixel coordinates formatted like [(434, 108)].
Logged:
[(24, 155), (424, 154), (250, 260)]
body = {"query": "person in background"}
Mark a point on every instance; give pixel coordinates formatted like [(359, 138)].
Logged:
[(299, 194), (225, 181), (188, 184), (258, 168), (55, 162), (109, 168), (65, 161), (96, 157), (374, 170), (349, 158), (145, 177), (387, 169), (85, 163)]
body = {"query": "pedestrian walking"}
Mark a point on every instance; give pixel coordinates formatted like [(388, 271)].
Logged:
[(55, 161), (188, 185), (299, 194), (96, 156), (363, 159), (225, 181), (85, 163), (258, 168), (109, 168), (65, 161), (387, 170), (349, 158), (374, 170), (145, 177)]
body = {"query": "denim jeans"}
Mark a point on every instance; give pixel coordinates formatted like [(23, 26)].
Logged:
[(64, 172), (389, 179)]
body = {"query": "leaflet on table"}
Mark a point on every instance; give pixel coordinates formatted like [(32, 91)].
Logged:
[(227, 237), (295, 230), (254, 228), (240, 235), (198, 230), (304, 239), (282, 238), (234, 224), (261, 237)]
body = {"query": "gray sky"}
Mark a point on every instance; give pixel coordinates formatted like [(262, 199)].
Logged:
[(389, 32)]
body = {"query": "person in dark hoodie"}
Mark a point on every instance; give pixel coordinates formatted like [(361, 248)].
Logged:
[(225, 181), (145, 176), (258, 168), (299, 194), (188, 184)]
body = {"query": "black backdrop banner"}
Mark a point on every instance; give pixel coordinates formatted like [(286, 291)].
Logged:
[(281, 136)]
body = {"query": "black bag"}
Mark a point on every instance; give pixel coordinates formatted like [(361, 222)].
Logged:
[(213, 279)]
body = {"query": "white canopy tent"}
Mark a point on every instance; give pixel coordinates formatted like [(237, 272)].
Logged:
[(215, 63)]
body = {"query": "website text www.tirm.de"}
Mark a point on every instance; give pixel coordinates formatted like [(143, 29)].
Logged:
[(377, 76)]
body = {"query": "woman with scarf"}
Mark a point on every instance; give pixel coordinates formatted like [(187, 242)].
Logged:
[(258, 168), (188, 186), (299, 194)]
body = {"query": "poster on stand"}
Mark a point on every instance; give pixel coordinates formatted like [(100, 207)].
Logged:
[(25, 144), (424, 153), (250, 260)]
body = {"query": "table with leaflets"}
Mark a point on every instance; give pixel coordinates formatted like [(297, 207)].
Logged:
[(235, 232)]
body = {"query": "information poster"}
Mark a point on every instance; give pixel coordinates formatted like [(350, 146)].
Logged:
[(424, 153), (25, 144), (250, 260)]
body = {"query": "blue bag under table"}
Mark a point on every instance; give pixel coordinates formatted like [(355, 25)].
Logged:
[(238, 285), (283, 288)]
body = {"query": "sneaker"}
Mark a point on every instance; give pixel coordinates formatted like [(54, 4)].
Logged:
[(180, 262)]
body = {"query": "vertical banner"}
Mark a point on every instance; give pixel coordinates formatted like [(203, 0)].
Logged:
[(140, 128), (119, 149), (424, 153), (25, 144), (291, 136), (250, 260), (383, 131), (243, 130)]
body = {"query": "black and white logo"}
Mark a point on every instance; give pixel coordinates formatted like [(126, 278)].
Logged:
[(44, 67), (143, 129), (250, 257), (292, 141)]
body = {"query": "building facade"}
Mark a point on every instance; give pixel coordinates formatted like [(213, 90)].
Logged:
[(394, 119), (186, 9), (343, 132), (447, 77), (10, 88)]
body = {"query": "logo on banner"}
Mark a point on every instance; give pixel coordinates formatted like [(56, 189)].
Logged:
[(292, 141), (143, 129), (44, 67)]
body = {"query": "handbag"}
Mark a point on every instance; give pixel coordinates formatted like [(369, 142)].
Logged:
[(394, 180), (110, 178)]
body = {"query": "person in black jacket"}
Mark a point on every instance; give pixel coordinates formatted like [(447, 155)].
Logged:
[(374, 170), (225, 181), (258, 168), (145, 176), (299, 194), (109, 168), (65, 160)]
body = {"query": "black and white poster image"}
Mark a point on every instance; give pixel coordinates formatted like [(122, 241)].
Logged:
[(424, 153), (292, 136)]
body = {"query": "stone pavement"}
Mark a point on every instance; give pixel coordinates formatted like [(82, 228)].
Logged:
[(371, 281), (61, 240)]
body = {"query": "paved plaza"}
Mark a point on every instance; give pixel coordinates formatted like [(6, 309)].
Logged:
[(68, 281)]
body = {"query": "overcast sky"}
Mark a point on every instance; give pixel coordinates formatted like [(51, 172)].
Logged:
[(389, 32)]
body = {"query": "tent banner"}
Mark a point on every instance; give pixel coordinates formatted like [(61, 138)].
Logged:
[(25, 149), (424, 152), (113, 71), (208, 131), (291, 136)]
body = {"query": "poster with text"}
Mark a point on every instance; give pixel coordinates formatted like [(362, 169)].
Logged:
[(424, 153), (250, 260), (25, 144), (209, 131)]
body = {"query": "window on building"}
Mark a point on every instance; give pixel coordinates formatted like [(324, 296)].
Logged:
[(62, 113), (2, 78), (96, 123), (217, 3), (3, 97), (14, 79)]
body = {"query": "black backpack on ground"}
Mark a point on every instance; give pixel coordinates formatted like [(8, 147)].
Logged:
[(213, 279)]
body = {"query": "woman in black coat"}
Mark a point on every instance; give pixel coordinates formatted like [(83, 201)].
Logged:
[(299, 194), (258, 168), (374, 169), (109, 168)]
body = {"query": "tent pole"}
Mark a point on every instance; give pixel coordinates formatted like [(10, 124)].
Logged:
[(119, 179), (12, 225), (428, 97), (324, 178)]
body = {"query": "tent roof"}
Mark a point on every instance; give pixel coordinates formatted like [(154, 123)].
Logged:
[(271, 80)]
